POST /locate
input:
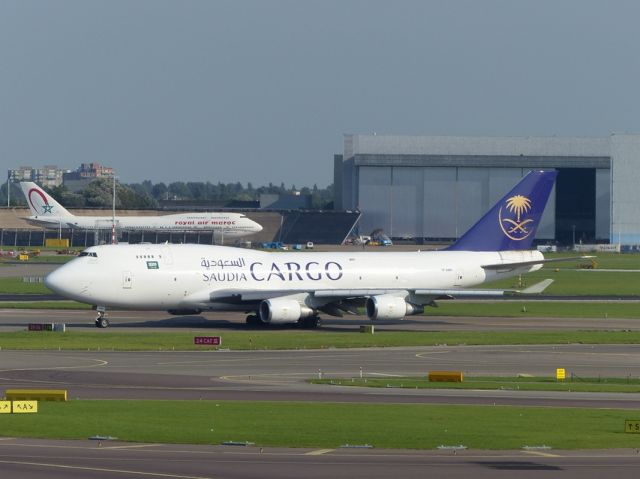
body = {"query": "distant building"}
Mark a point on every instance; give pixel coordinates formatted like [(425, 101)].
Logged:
[(85, 174), (436, 187), (48, 175), (51, 176)]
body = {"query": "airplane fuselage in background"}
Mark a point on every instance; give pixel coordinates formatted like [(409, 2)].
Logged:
[(230, 224), (47, 212)]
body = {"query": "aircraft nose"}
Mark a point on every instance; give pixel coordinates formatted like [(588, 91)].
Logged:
[(64, 281)]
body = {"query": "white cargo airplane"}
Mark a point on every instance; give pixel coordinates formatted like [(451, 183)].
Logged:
[(47, 212), (294, 287)]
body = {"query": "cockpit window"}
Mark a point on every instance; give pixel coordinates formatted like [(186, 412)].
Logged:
[(89, 253)]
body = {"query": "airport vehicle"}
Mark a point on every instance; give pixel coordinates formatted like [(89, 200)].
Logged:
[(294, 287), (47, 212), (378, 238), (274, 245)]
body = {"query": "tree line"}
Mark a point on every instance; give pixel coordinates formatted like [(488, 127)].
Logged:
[(148, 195)]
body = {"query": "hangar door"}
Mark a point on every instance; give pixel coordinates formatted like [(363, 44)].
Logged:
[(576, 205)]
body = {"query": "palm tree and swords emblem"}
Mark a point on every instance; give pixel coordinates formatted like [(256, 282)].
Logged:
[(516, 229)]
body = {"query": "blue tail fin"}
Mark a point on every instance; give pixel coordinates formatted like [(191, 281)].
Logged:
[(512, 223)]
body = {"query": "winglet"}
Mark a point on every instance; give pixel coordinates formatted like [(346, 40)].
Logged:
[(512, 222)]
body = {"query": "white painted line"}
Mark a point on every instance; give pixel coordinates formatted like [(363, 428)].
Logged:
[(318, 452), (101, 469), (132, 446), (543, 454)]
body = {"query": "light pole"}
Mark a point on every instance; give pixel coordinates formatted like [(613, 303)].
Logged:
[(573, 229), (113, 220)]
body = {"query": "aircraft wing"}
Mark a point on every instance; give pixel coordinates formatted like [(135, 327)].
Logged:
[(503, 266), (331, 295), (474, 293)]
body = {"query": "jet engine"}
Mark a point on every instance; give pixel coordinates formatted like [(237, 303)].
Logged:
[(282, 311), (387, 306)]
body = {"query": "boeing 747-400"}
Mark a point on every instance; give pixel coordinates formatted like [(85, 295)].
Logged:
[(47, 212), (295, 287)]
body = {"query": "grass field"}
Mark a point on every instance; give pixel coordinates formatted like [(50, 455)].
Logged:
[(276, 340), (26, 304), (573, 282), (326, 425), (17, 286), (46, 259), (532, 309), (615, 385)]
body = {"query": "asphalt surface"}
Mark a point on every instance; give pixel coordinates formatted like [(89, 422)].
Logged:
[(36, 459), (17, 319), (283, 375), (8, 270)]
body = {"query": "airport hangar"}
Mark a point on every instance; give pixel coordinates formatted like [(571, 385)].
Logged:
[(435, 187)]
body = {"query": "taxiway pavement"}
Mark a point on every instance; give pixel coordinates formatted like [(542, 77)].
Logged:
[(284, 375), (46, 459), (18, 319)]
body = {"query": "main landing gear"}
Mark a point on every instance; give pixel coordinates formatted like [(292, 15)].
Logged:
[(101, 320), (310, 322)]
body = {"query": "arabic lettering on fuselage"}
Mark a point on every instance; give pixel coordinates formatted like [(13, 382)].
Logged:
[(275, 271), (222, 263)]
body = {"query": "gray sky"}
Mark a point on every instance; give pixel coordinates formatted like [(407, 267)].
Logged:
[(263, 91)]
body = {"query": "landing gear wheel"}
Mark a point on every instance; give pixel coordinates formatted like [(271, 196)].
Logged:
[(101, 320), (252, 320), (102, 323)]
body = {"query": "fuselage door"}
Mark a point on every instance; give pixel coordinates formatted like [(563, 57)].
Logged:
[(127, 280), (166, 255)]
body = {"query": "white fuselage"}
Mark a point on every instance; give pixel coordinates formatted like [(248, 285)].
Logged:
[(159, 277), (231, 225)]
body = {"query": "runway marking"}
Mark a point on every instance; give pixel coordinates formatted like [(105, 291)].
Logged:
[(134, 446), (269, 377), (386, 375), (102, 469), (318, 452), (543, 454), (7, 438), (429, 353), (275, 357), (99, 363)]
